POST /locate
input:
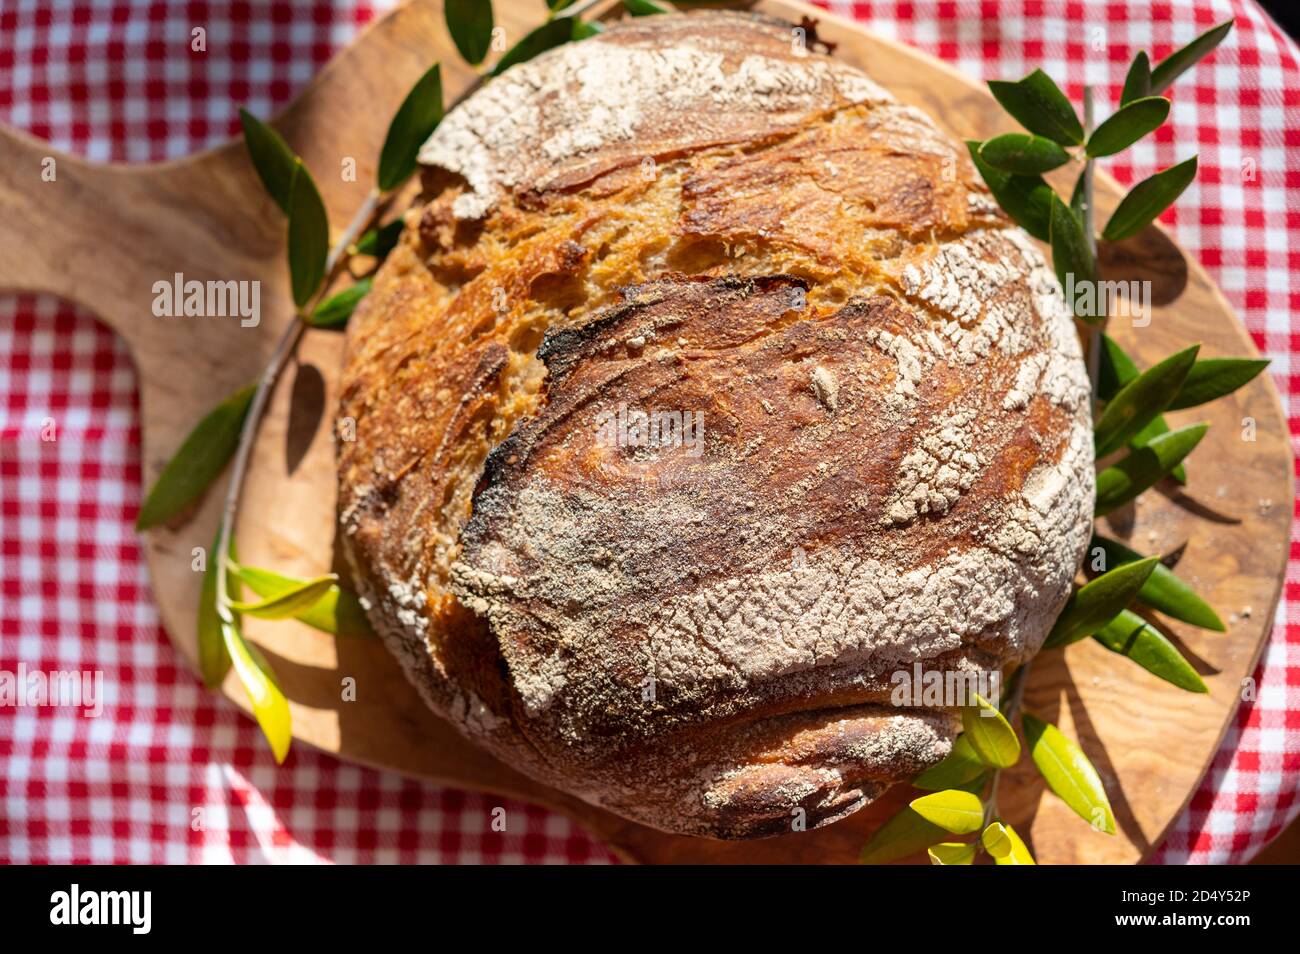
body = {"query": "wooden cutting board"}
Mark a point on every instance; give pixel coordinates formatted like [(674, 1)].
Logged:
[(103, 235)]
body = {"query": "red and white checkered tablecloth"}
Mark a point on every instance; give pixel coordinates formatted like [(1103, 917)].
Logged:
[(116, 80)]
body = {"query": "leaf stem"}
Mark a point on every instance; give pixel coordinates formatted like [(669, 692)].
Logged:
[(1018, 681)]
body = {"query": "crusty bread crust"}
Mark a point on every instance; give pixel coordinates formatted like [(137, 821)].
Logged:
[(893, 466)]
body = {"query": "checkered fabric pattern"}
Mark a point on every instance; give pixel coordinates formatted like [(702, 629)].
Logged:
[(171, 773)]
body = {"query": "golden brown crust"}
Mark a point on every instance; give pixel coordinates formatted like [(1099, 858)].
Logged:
[(889, 463)]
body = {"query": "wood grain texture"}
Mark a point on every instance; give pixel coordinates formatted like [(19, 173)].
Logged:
[(102, 235)]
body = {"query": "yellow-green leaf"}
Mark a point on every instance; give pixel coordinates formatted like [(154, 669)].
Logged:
[(270, 707), (415, 121), (952, 853), (952, 810), (338, 612), (1096, 603), (990, 735), (1162, 590), (1130, 635), (290, 602), (960, 766), (201, 458), (309, 236), (214, 660), (904, 834), (1133, 121), (1068, 772), (1118, 484), (1002, 842), (1141, 400)]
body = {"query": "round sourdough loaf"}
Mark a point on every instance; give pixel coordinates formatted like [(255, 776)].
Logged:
[(705, 391)]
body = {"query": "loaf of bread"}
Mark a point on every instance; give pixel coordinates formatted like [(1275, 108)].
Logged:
[(707, 389)]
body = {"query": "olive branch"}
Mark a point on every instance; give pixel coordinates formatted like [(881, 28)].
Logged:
[(1131, 406)]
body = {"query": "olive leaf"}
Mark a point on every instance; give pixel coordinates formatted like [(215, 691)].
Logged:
[(1179, 62), (550, 34), (338, 612), (335, 311), (961, 765), (643, 8), (1096, 603), (904, 834), (952, 810), (1071, 254), (1213, 378), (214, 658), (1023, 155), (1137, 84), (470, 24), (201, 457), (1038, 104), (1027, 199), (1118, 484), (414, 122), (1068, 772), (1148, 199), (1117, 369), (1002, 842), (585, 30), (990, 735), (1141, 400), (1130, 635), (1163, 590), (379, 242), (952, 853), (290, 602), (309, 236), (1079, 195), (273, 160), (555, 6), (1127, 126), (270, 707)]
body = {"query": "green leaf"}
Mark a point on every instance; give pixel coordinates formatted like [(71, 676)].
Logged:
[(586, 29), (1148, 199), (273, 160), (201, 457), (1130, 635), (309, 236), (1068, 772), (338, 612), (1163, 590), (414, 122), (550, 34), (952, 810), (379, 242), (1213, 378), (1116, 370), (960, 766), (1023, 155), (270, 707), (644, 8), (904, 834), (1002, 842), (1071, 255), (1096, 603), (214, 659), (1127, 126), (989, 734), (1179, 62), (1027, 199), (1141, 400), (1137, 84), (290, 602), (470, 24), (1121, 483), (952, 853), (335, 311), (1078, 194), (1038, 104)]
